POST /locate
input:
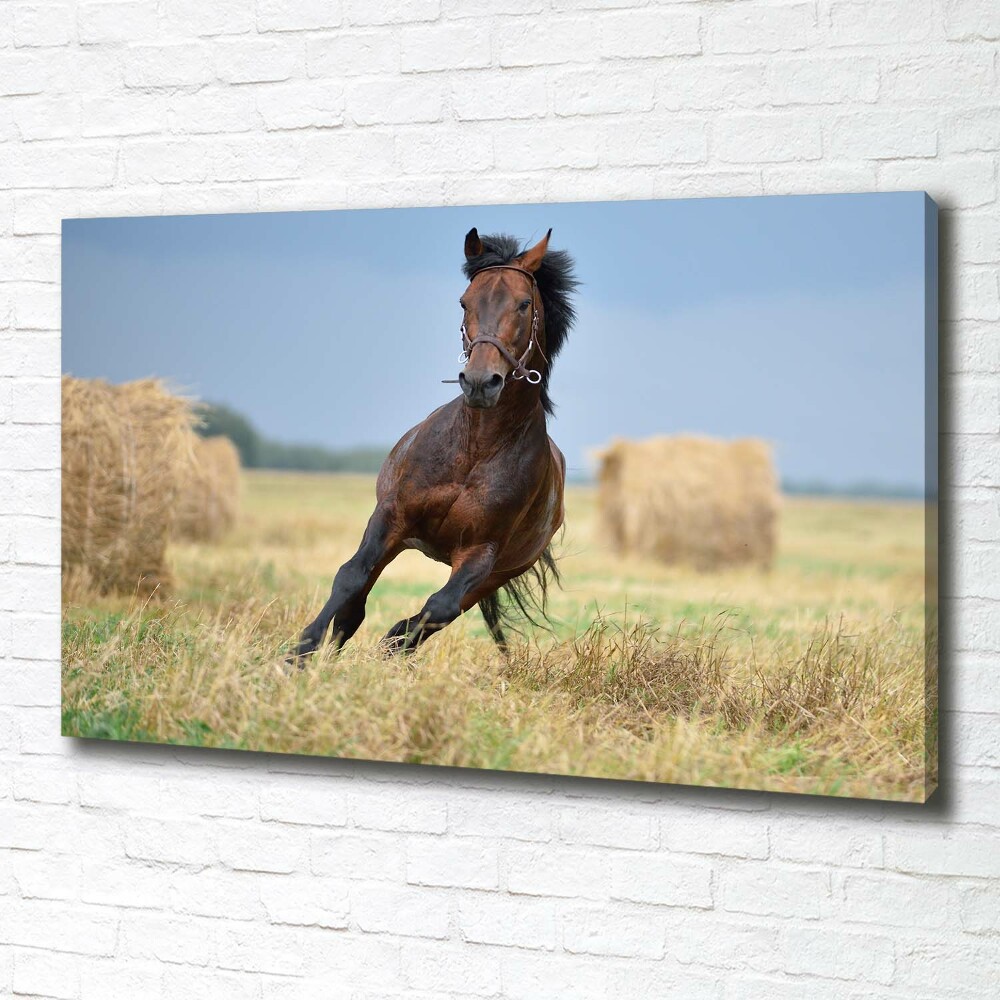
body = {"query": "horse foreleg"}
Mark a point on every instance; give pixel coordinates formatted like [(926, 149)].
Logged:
[(469, 570), (345, 608)]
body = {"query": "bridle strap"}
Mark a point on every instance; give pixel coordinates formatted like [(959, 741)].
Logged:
[(518, 369)]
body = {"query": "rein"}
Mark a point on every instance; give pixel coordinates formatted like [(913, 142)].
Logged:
[(518, 365)]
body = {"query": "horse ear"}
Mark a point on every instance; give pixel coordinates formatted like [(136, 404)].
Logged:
[(531, 259), (473, 244)]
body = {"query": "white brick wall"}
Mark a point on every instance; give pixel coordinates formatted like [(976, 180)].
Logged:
[(154, 872)]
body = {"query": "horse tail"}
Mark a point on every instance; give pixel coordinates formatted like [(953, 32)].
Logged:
[(523, 599)]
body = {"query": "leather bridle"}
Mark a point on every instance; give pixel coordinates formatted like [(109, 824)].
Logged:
[(518, 365)]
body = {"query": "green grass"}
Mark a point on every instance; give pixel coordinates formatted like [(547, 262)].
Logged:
[(808, 678)]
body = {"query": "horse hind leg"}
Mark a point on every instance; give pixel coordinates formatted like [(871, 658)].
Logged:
[(469, 570), (490, 608)]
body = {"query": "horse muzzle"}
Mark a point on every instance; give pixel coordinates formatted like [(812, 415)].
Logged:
[(481, 388)]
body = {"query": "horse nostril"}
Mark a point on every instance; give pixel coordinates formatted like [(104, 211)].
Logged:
[(494, 381)]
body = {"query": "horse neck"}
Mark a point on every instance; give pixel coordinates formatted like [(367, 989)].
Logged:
[(518, 413)]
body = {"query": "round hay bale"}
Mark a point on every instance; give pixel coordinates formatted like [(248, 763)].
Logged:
[(126, 451), (210, 502), (685, 499)]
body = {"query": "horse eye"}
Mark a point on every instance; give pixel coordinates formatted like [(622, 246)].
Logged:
[(524, 305)]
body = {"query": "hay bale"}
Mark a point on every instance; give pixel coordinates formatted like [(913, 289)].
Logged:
[(126, 451), (210, 502), (695, 500)]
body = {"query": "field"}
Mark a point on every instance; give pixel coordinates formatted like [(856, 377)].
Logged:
[(810, 678)]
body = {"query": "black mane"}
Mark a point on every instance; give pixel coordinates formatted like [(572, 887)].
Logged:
[(556, 284)]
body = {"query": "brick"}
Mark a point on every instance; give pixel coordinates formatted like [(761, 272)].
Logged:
[(969, 19), (836, 955), (303, 15), (853, 846), (247, 947), (304, 900), (158, 937), (255, 847), (979, 909), (115, 980), (482, 95), (258, 60), (691, 87), (391, 12), (662, 879), (881, 135), (961, 968), (721, 943), (49, 974), (548, 871), (406, 911), (23, 73), (762, 139), (761, 29), (519, 43), (937, 79), (880, 22), (42, 24), (967, 183), (117, 21), (356, 855), (395, 102), (418, 153), (207, 797), (650, 34), (593, 92), (58, 927), (41, 875), (213, 892), (447, 969), (896, 901), (296, 105), (192, 17), (977, 739), (444, 46), (43, 783), (528, 976), (766, 890), (171, 841), (352, 53), (627, 933), (453, 862), (514, 921), (656, 142), (304, 800), (608, 828), (396, 811), (949, 853), (172, 65), (712, 833), (567, 144)]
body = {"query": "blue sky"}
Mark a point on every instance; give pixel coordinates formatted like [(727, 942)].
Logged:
[(796, 319)]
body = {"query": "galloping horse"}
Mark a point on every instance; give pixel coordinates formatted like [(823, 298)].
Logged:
[(479, 483)]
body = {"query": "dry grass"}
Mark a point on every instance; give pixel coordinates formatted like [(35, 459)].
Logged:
[(210, 501), (126, 450), (692, 500), (809, 679)]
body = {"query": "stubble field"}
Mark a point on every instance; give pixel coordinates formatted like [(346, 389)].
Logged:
[(810, 678)]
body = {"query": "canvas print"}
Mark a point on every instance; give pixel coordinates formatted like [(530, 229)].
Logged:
[(630, 490)]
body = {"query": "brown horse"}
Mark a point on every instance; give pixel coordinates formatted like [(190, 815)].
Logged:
[(479, 483)]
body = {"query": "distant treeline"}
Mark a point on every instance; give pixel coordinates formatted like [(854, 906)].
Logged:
[(257, 452), (872, 490)]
